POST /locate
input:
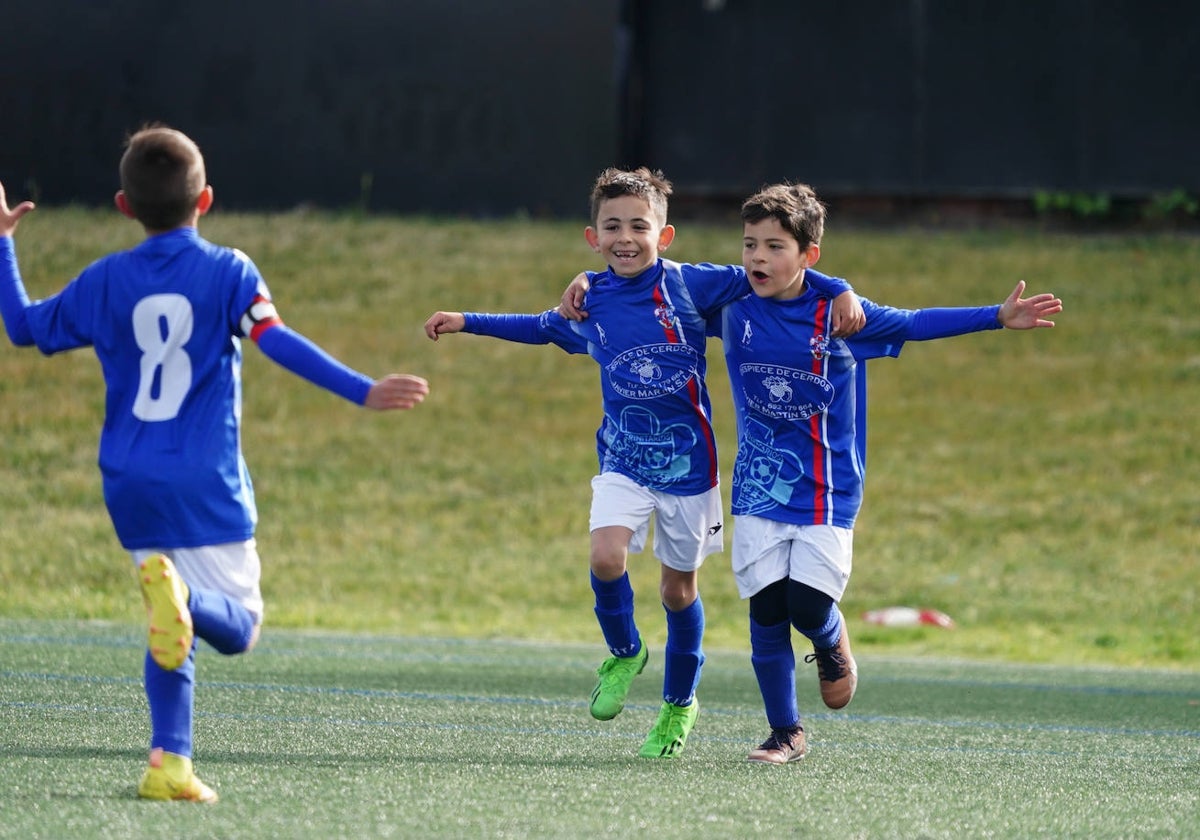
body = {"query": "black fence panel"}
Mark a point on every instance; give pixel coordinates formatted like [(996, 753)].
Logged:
[(480, 108), (443, 106), (983, 98)]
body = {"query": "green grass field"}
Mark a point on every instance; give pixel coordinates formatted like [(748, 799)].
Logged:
[(1040, 488), (336, 735)]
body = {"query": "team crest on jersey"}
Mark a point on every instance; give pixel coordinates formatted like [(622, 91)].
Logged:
[(747, 333), (819, 345), (665, 313)]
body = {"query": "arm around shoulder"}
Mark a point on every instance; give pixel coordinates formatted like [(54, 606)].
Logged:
[(847, 316)]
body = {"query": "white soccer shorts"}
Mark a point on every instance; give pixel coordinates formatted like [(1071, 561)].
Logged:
[(233, 569), (766, 551), (686, 528)]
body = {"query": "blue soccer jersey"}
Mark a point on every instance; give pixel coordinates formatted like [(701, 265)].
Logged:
[(647, 333), (800, 399), (165, 321)]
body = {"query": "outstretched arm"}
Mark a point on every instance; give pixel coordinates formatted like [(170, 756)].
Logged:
[(396, 391), (1017, 313), (524, 329), (302, 357), (13, 299)]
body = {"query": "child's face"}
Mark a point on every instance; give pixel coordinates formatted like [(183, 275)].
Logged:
[(774, 261), (628, 235)]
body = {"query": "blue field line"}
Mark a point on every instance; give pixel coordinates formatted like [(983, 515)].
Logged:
[(1099, 690), (432, 650), (592, 732), (75, 641), (1123, 731), (536, 702), (75, 678)]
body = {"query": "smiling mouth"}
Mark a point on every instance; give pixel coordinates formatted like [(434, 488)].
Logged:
[(625, 255)]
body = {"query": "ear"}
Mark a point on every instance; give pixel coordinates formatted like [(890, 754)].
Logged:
[(665, 237), (123, 204), (811, 254), (205, 201), (593, 239)]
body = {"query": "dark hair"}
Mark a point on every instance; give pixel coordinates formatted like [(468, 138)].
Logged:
[(162, 176), (796, 206), (641, 182)]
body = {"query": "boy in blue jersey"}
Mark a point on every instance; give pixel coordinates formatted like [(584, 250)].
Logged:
[(655, 443), (166, 321), (800, 397)]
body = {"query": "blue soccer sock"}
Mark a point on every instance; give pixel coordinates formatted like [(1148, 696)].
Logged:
[(683, 657), (221, 621), (614, 611), (171, 696), (826, 635), (775, 667)]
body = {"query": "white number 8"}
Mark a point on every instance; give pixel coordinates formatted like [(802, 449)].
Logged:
[(162, 324)]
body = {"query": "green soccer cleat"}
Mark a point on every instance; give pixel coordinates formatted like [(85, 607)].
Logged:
[(670, 731), (170, 778), (166, 596), (616, 676)]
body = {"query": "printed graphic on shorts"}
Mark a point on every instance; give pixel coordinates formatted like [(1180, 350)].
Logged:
[(784, 393), (763, 476), (652, 370), (646, 451)]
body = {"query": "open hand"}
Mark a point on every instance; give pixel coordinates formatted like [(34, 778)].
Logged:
[(1017, 313), (9, 218)]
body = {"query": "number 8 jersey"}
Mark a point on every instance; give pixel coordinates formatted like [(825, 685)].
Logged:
[(166, 321)]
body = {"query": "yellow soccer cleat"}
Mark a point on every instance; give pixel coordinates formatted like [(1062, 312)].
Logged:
[(169, 777), (166, 596)]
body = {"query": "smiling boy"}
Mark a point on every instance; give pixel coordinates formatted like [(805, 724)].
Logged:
[(655, 445)]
